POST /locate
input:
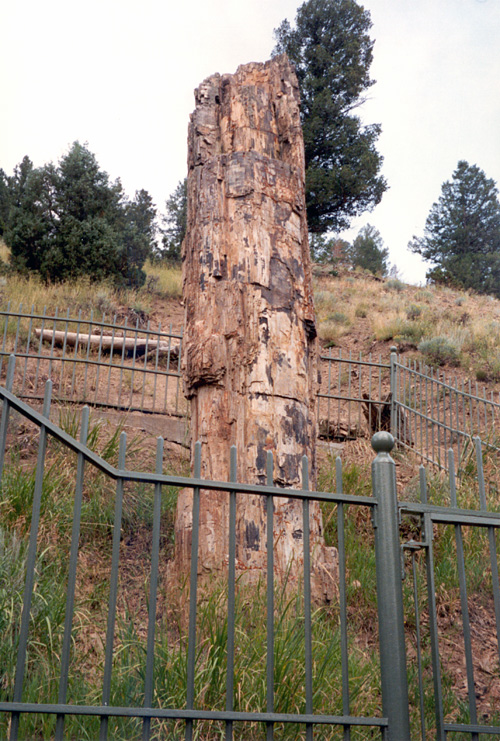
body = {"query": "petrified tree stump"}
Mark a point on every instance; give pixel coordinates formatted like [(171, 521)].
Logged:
[(250, 348)]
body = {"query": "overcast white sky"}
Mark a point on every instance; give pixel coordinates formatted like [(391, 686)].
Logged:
[(120, 75)]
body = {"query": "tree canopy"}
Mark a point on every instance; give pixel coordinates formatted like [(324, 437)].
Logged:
[(368, 251), (462, 232), (69, 221), (175, 222), (332, 52)]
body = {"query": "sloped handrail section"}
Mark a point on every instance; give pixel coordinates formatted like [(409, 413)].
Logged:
[(428, 579)]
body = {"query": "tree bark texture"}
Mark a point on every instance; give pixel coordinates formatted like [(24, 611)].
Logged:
[(250, 349)]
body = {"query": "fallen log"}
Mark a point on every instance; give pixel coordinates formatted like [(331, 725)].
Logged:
[(108, 343)]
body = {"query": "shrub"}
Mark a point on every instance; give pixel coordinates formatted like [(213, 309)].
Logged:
[(395, 285), (338, 318), (413, 311), (440, 350)]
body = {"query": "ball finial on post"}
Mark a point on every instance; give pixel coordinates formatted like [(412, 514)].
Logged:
[(383, 442)]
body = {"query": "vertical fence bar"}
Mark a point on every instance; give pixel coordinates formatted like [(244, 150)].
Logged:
[(394, 393), (471, 693), (270, 598), (444, 393), (419, 645), (178, 374), (421, 416), (4, 423), (370, 428), (349, 375), (428, 535), (113, 588), (307, 596), (18, 326), (30, 565), (52, 345), (144, 370), (344, 651), (40, 344), (153, 592), (491, 538), (167, 374), (464, 415), (329, 392), (191, 659), (339, 386), (4, 338), (77, 342), (427, 450), (28, 342), (438, 420), (122, 363), (432, 418), (157, 353), (87, 355), (389, 591), (360, 370), (63, 355), (111, 351), (478, 417), (70, 589), (132, 372), (99, 359), (231, 602)]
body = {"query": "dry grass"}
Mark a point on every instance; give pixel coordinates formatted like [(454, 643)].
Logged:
[(410, 316)]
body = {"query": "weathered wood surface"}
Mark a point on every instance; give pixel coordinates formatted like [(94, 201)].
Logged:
[(107, 342), (250, 349)]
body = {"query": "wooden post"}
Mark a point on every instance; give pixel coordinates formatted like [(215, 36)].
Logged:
[(250, 349)]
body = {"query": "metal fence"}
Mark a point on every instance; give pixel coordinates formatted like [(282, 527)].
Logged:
[(137, 368), (432, 412), (411, 643), (104, 363), (353, 396)]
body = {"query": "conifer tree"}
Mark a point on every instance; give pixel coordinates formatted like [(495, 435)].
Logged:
[(462, 232)]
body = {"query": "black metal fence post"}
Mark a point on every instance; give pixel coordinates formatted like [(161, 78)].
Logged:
[(389, 590)]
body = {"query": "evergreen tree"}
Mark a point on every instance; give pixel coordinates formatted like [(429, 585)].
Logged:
[(70, 221), (462, 232), (4, 200), (175, 222), (368, 251), (332, 250), (332, 52)]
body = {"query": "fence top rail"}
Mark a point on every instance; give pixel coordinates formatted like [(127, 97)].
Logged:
[(169, 480), (228, 715), (444, 384), (353, 361), (452, 515), (93, 322)]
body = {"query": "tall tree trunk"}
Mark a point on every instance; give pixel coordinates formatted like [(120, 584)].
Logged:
[(250, 347)]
